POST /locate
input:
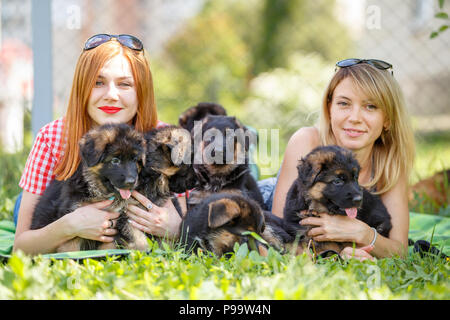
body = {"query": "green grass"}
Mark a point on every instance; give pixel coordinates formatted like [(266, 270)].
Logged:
[(11, 166), (164, 273), (170, 274), (432, 154)]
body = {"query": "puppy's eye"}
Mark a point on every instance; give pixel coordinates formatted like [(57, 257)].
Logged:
[(338, 182), (115, 161)]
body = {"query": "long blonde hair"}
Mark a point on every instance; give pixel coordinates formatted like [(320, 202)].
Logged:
[(77, 121), (393, 152)]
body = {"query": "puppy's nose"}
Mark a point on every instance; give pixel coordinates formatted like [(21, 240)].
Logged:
[(130, 180), (357, 199)]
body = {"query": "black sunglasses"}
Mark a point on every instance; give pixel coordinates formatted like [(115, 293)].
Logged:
[(379, 64), (124, 39)]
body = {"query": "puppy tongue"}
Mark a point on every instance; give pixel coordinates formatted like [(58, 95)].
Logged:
[(351, 212), (125, 194)]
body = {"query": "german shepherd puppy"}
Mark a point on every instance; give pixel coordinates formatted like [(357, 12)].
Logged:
[(112, 157), (222, 163), (168, 164), (198, 113), (222, 219), (328, 182), (116, 159)]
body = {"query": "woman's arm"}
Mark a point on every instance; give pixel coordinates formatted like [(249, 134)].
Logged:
[(299, 145), (44, 240), (396, 202), (86, 222)]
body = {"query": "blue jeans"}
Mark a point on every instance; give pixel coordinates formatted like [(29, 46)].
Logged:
[(16, 208), (267, 188)]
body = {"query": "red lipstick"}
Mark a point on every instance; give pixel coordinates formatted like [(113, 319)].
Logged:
[(110, 109)]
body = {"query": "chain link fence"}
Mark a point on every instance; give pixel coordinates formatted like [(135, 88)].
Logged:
[(285, 94)]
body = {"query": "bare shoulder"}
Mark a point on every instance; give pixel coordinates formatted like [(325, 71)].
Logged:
[(308, 135), (304, 140), (400, 189)]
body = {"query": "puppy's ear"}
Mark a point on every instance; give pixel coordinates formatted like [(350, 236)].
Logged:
[(91, 151), (261, 223), (221, 212), (308, 172), (198, 112)]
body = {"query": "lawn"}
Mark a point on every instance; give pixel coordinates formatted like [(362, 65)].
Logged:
[(171, 274), (165, 273), (432, 154)]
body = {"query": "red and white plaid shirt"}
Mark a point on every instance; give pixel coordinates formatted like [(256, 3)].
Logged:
[(38, 172)]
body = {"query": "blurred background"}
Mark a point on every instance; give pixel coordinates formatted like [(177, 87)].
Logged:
[(266, 61)]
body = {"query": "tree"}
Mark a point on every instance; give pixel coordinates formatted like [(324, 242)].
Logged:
[(215, 56)]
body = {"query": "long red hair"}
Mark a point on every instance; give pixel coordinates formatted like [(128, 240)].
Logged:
[(77, 121)]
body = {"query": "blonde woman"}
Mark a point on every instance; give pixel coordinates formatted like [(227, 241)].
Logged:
[(112, 84), (363, 110)]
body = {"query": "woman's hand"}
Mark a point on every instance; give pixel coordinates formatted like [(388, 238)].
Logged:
[(361, 254), (158, 221), (91, 222), (338, 228)]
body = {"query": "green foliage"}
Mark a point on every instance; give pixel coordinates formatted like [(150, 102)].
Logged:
[(268, 62), (288, 98), (443, 16), (432, 155), (244, 274), (424, 203), (291, 26), (216, 54), (11, 166), (207, 61)]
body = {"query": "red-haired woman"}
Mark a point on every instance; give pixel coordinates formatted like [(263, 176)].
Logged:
[(112, 84)]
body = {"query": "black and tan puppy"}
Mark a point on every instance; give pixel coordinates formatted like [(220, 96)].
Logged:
[(112, 156), (116, 160), (327, 182), (168, 164), (223, 219), (198, 113), (221, 162)]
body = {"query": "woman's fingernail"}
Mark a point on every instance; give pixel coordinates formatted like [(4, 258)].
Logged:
[(111, 198)]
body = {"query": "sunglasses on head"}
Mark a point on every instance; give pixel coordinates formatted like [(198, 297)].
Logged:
[(124, 39), (379, 64)]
